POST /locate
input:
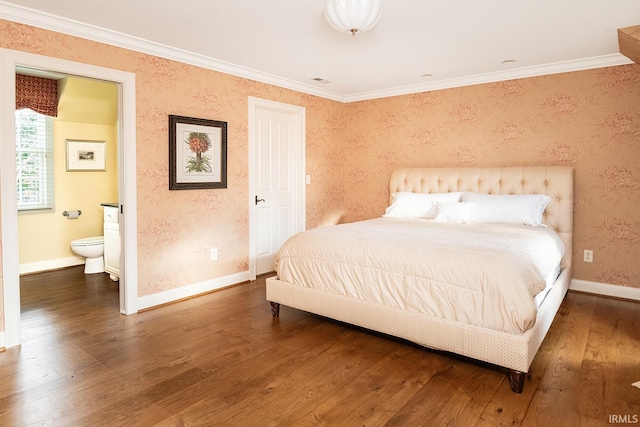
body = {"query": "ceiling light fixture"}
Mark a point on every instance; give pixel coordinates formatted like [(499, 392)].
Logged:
[(353, 16)]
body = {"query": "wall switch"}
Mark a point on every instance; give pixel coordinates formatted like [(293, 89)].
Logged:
[(588, 255), (214, 254)]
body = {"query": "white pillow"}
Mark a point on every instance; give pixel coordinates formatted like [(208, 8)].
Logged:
[(418, 205), (508, 208), (458, 213)]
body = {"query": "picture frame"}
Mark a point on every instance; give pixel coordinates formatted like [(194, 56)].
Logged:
[(197, 153), (86, 156)]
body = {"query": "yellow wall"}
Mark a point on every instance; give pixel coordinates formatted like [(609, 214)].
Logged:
[(83, 115)]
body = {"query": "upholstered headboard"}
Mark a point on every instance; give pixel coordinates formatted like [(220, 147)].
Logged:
[(554, 181)]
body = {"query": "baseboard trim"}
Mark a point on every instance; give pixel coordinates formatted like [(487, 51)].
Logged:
[(189, 291), (617, 291), (54, 264)]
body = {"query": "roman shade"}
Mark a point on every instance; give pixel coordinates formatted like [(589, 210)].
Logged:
[(37, 93)]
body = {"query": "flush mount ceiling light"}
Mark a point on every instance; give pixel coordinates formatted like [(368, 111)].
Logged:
[(353, 16)]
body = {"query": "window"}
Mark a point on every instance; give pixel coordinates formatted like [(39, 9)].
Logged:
[(34, 160)]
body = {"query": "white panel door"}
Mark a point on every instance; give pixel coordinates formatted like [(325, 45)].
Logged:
[(274, 185), (276, 179)]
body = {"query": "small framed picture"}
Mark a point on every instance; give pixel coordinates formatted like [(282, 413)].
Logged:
[(197, 153), (86, 155)]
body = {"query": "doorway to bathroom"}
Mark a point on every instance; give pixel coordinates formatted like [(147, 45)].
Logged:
[(67, 174), (78, 141), (123, 165)]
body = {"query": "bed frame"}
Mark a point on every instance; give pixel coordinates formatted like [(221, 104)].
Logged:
[(512, 351)]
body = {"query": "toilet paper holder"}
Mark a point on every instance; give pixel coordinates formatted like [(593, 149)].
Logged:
[(72, 214)]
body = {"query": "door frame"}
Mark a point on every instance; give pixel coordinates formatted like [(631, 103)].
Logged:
[(9, 60), (297, 113)]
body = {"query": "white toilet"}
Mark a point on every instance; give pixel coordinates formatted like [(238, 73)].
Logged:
[(92, 248)]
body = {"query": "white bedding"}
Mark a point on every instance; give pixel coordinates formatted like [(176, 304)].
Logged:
[(481, 274)]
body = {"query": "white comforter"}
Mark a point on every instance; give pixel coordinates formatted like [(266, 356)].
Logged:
[(481, 274)]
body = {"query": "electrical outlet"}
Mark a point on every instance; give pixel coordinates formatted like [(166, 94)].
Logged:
[(588, 255), (214, 254)]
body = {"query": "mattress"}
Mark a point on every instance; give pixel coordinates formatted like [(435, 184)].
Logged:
[(482, 274)]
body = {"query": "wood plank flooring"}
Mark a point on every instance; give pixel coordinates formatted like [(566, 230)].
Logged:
[(221, 359)]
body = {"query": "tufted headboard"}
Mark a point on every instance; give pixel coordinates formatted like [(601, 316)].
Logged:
[(554, 181)]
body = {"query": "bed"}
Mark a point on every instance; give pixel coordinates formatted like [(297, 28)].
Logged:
[(502, 323)]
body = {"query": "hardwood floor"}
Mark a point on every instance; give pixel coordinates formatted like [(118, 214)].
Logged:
[(221, 359)]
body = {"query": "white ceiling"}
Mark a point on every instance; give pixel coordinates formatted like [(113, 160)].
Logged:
[(288, 42)]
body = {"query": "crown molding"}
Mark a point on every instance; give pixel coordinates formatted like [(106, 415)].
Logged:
[(58, 24), (83, 30), (517, 73)]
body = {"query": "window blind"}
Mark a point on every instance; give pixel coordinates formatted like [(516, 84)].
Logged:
[(34, 160)]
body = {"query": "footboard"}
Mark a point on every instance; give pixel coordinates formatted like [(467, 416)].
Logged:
[(512, 351)]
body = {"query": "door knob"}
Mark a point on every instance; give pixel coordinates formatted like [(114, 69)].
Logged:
[(259, 200)]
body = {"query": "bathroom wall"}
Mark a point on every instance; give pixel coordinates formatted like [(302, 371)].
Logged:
[(87, 111)]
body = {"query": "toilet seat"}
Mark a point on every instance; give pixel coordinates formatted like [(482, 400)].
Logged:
[(88, 241), (92, 249)]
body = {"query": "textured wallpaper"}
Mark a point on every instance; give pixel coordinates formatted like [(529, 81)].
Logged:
[(589, 120), (177, 228)]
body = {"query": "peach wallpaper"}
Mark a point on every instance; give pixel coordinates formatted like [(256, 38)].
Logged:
[(176, 229), (587, 119)]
